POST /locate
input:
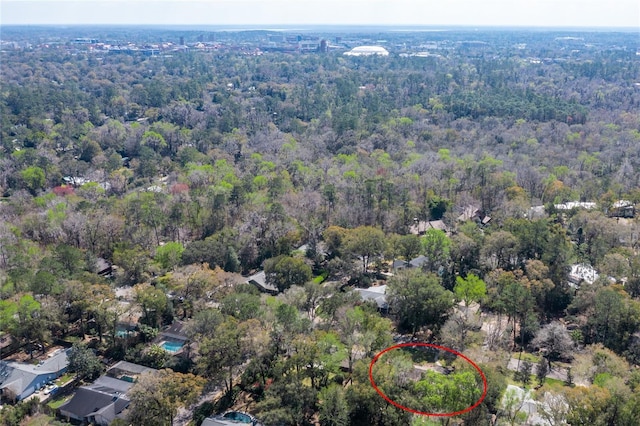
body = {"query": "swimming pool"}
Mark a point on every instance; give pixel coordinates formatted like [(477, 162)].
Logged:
[(238, 416), (171, 346), (123, 333)]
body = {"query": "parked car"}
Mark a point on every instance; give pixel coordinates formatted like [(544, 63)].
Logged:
[(50, 389)]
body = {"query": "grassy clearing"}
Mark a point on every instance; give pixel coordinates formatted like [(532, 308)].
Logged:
[(38, 420), (64, 379), (532, 382), (554, 382), (526, 357), (57, 402)]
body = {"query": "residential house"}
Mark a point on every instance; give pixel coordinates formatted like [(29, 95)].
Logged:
[(399, 264), (418, 262), (622, 208), (127, 371), (576, 205), (420, 227), (376, 294), (439, 225), (103, 267), (581, 272), (18, 380), (173, 338), (99, 403), (528, 406), (260, 281), (106, 399), (475, 214), (536, 212)]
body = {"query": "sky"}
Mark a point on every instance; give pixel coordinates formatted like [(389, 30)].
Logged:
[(510, 13)]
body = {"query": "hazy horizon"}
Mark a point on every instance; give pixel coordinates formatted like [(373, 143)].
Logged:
[(595, 14), (326, 27)]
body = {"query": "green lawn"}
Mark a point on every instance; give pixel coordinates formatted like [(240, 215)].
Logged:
[(57, 402), (532, 382), (64, 379), (39, 420), (554, 382), (526, 357)]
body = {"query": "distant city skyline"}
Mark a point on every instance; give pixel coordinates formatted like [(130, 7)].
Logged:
[(510, 13)]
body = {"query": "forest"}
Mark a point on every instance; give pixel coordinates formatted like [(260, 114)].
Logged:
[(140, 193)]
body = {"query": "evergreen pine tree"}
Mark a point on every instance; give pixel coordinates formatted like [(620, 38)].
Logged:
[(524, 373), (569, 380), (542, 369)]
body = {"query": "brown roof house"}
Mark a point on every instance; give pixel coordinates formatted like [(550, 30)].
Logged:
[(475, 214), (420, 227)]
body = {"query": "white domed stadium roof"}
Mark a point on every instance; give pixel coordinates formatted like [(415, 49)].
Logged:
[(367, 50)]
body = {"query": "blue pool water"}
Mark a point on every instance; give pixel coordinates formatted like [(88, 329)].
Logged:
[(172, 346), (123, 333), (237, 416)]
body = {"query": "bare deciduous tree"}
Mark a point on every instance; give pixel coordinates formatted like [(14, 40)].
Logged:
[(554, 341)]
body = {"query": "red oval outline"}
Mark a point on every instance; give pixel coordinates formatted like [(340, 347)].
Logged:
[(422, 413)]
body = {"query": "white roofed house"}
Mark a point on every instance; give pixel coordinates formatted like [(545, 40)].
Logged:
[(569, 205), (582, 273)]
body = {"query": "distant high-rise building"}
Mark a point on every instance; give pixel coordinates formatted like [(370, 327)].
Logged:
[(324, 46), (308, 46), (201, 38), (181, 41)]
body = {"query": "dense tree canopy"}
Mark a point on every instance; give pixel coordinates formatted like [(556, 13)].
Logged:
[(156, 397), (419, 300), (140, 190)]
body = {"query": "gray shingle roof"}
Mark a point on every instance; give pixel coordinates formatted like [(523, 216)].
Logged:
[(418, 261), (110, 385), (106, 397), (376, 294), (17, 376), (124, 367), (87, 401), (260, 280)]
